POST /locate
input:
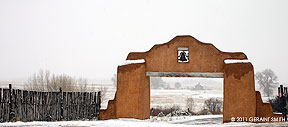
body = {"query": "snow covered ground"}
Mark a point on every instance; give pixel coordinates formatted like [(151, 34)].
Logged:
[(168, 98), (191, 121)]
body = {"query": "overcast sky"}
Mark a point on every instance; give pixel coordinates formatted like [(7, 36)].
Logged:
[(91, 38)]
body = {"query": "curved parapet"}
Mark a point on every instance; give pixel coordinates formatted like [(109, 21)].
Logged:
[(203, 57), (191, 40), (234, 56), (136, 55)]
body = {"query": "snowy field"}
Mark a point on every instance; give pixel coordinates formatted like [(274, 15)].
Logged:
[(191, 121), (169, 98)]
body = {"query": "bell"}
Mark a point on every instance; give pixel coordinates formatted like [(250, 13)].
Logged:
[(183, 56)]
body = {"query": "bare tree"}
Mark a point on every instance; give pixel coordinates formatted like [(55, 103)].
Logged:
[(214, 105), (156, 82), (190, 104), (67, 83), (178, 85), (103, 93), (39, 81), (267, 81), (44, 81), (82, 85)]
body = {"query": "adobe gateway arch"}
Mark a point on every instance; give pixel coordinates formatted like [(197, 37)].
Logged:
[(185, 56)]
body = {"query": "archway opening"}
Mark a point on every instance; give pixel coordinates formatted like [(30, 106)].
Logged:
[(174, 96)]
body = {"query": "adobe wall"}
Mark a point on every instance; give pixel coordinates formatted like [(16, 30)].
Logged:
[(133, 92), (264, 110), (132, 99), (110, 112), (241, 101), (239, 91)]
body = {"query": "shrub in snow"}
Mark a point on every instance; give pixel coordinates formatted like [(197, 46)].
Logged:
[(213, 105), (164, 110), (203, 112), (276, 106), (161, 114), (179, 113), (190, 104)]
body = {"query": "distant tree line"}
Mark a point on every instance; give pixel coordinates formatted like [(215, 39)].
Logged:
[(46, 81), (158, 83)]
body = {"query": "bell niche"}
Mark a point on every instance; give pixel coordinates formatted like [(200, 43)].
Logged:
[(183, 55)]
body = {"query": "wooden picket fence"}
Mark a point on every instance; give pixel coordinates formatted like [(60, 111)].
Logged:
[(23, 105)]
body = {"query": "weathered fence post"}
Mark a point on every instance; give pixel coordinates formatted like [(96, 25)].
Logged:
[(1, 107), (11, 112), (98, 104), (94, 105), (99, 99), (61, 104)]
